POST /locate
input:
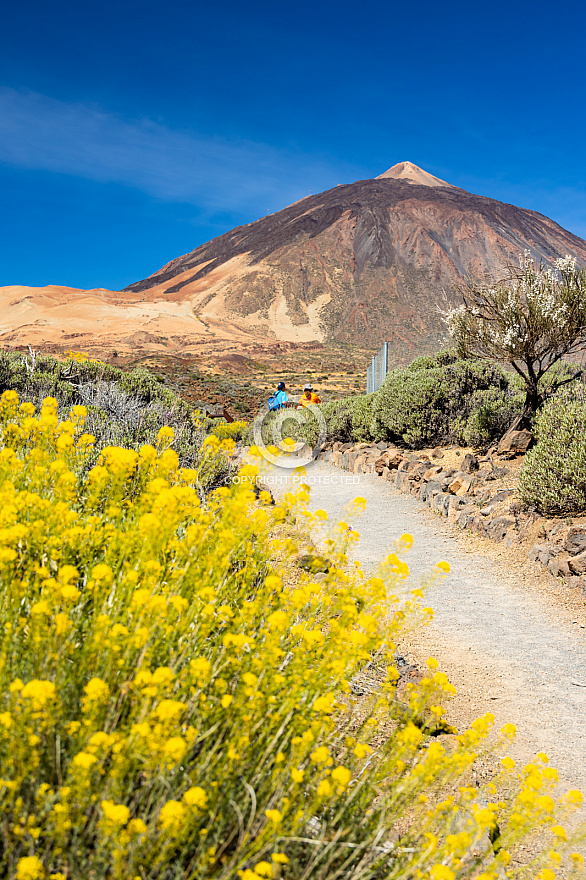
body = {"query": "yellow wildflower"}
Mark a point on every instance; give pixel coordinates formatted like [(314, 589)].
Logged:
[(195, 797), (280, 858), (163, 675), (169, 710), (68, 573), (29, 868), (172, 815), (179, 603), (278, 620), (39, 692), (39, 608), (115, 814), (201, 667), (102, 572), (84, 760), (101, 740), (342, 776), (62, 623), (70, 593), (545, 802), (141, 637), (140, 597), (175, 749), (442, 872), (96, 690), (320, 755), (165, 435)]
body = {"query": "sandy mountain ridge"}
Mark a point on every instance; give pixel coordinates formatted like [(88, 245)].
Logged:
[(360, 263)]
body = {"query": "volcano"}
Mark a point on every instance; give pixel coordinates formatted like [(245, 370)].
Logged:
[(362, 263)]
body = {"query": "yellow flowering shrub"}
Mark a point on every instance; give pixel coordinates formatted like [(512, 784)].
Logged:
[(172, 707), (229, 430)]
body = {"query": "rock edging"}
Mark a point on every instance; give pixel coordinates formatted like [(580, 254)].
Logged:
[(465, 497)]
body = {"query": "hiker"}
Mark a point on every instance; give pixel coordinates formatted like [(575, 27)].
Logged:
[(308, 397), (280, 399)]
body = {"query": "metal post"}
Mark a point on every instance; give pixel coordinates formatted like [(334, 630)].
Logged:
[(378, 369)]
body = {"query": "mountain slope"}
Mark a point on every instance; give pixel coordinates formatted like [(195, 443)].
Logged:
[(360, 263)]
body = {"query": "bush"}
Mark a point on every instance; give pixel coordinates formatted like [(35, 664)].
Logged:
[(347, 420), (229, 430), (171, 708), (553, 479), (432, 400), (361, 410), (123, 409), (529, 320), (492, 411), (38, 376)]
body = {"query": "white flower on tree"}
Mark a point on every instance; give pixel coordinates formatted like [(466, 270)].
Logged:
[(530, 320)]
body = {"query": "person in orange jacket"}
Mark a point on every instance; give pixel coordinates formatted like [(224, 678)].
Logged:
[(308, 397)]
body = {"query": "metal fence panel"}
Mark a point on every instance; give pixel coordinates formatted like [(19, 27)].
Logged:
[(376, 372)]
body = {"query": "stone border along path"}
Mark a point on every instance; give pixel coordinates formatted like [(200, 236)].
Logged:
[(466, 495), (503, 645)]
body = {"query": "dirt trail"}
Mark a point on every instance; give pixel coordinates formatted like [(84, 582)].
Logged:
[(509, 645)]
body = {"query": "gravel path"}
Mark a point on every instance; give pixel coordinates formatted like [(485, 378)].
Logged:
[(507, 647)]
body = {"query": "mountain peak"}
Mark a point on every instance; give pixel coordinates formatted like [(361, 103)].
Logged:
[(411, 173)]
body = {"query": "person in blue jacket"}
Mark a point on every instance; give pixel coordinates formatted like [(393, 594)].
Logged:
[(280, 399)]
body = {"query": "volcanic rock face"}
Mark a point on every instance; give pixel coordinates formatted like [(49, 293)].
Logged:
[(364, 262)]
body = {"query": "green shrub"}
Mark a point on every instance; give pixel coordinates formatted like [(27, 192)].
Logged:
[(338, 416), (432, 399), (492, 411), (361, 410), (37, 376), (347, 420), (553, 480)]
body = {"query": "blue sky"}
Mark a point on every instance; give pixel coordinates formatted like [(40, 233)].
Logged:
[(132, 132)]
